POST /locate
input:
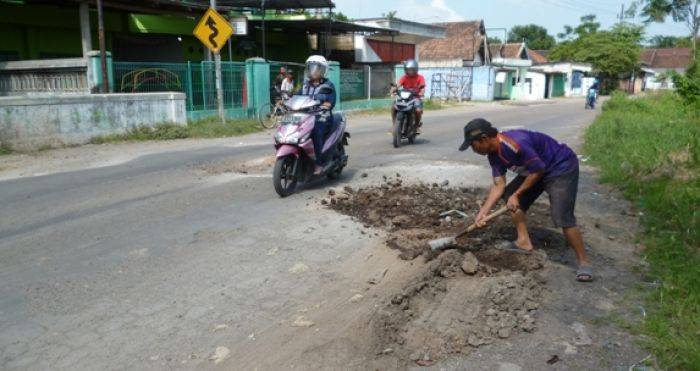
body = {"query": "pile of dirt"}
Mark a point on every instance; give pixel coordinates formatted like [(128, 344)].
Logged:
[(466, 297), (459, 303), (411, 215)]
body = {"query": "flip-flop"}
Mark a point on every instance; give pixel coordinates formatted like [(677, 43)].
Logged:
[(584, 274), (510, 246)]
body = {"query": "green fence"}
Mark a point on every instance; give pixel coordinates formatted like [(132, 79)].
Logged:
[(352, 84), (195, 79)]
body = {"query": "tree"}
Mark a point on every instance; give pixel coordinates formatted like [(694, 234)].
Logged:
[(339, 16), (588, 26), (390, 14), (660, 41), (688, 85), (493, 40), (536, 37), (611, 52), (686, 11)]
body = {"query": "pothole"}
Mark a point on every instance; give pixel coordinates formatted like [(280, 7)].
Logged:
[(466, 297)]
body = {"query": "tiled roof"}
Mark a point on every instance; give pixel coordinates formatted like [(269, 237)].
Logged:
[(537, 56), (462, 41), (667, 58), (511, 50)]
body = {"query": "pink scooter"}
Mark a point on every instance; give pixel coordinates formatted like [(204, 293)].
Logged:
[(295, 149)]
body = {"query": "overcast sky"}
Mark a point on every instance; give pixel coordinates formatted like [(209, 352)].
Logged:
[(552, 14)]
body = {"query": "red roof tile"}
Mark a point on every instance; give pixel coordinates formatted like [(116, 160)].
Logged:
[(462, 41), (667, 58)]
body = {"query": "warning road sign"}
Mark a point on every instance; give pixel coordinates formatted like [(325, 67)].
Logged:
[(213, 30)]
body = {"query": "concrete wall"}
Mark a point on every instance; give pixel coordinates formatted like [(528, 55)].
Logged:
[(30, 122)]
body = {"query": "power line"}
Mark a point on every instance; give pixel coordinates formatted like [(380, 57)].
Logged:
[(571, 6)]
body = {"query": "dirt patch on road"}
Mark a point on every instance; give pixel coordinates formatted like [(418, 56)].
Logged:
[(466, 297)]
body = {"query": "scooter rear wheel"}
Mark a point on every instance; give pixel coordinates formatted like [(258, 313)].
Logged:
[(283, 177), (335, 174)]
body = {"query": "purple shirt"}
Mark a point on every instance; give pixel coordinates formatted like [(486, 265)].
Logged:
[(525, 152)]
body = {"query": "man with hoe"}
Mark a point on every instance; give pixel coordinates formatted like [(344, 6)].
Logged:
[(542, 164)]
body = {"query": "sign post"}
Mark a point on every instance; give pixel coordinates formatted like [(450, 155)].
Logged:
[(213, 31)]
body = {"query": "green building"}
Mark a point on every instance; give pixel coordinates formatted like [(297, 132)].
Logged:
[(37, 30)]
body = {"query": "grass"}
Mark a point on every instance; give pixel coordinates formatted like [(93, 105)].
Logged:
[(650, 149), (4, 151), (213, 128), (204, 128)]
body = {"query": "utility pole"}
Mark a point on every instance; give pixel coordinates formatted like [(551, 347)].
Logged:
[(264, 47), (104, 87), (219, 87), (622, 13)]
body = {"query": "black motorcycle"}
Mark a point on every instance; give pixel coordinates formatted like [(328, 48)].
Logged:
[(405, 125)]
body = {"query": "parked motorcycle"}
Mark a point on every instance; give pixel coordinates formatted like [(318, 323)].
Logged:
[(405, 125), (591, 98), (295, 149)]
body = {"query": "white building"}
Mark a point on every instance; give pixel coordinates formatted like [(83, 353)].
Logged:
[(393, 47)]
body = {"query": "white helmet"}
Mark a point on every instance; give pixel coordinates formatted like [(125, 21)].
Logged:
[(316, 66)]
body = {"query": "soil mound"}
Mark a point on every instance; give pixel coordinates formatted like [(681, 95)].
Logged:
[(412, 216), (466, 297)]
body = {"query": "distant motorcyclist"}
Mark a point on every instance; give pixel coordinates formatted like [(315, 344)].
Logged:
[(592, 94), (320, 88), (414, 81)]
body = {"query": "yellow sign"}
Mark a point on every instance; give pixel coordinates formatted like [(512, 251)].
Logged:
[(213, 30)]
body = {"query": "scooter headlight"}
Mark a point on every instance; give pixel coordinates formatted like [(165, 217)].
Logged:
[(292, 138), (287, 137), (405, 94)]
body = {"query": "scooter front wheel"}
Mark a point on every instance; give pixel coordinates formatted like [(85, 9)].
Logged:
[(397, 131), (283, 177)]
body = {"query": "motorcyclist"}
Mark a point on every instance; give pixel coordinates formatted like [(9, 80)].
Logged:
[(592, 94), (317, 86), (415, 82)]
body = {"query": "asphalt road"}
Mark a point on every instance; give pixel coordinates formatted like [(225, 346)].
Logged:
[(154, 262)]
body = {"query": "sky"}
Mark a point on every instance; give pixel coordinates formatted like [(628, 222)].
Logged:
[(552, 14)]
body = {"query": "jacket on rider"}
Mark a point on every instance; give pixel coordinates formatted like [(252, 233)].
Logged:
[(314, 91), (324, 122)]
